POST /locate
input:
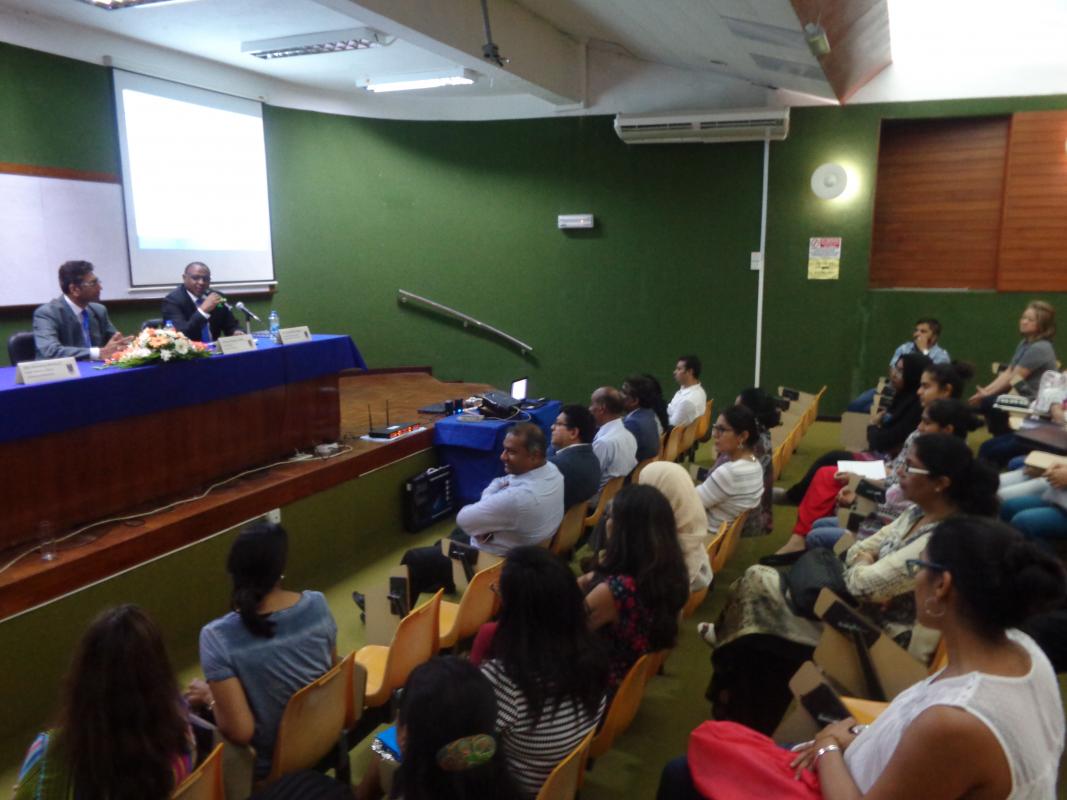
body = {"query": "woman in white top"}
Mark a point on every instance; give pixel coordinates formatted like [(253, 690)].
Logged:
[(989, 726), (737, 485)]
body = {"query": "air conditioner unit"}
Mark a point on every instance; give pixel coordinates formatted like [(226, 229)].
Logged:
[(740, 125)]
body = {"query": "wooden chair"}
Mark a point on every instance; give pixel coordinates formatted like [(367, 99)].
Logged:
[(415, 642), (205, 782), (611, 488), (313, 723), (623, 706), (673, 448), (689, 440), (636, 473), (570, 529), (563, 782), (704, 423), (459, 621), (694, 601), (729, 542)]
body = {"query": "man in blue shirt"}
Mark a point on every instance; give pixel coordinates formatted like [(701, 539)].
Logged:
[(923, 340)]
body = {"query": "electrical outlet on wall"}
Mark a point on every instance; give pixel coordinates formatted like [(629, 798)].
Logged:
[(274, 516)]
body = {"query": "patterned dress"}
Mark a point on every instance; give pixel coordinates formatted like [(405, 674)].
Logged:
[(627, 637)]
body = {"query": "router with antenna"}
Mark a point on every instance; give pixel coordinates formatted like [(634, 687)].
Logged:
[(389, 431)]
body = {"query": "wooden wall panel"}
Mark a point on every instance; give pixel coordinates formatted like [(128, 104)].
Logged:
[(1033, 242), (937, 207)]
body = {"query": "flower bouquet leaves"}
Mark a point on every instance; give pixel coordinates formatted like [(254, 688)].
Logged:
[(154, 345)]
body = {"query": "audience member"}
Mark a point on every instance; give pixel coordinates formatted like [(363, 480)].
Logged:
[(736, 485), (638, 398), (446, 728), (942, 478), (690, 521), (768, 416), (75, 324), (524, 506), (1036, 506), (122, 731), (689, 401), (990, 724), (193, 310), (1032, 358), (549, 671), (273, 643), (614, 445), (923, 340), (572, 453), (638, 583), (659, 405)]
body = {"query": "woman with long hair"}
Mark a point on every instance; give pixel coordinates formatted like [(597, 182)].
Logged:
[(1033, 356), (446, 730), (989, 725), (122, 732), (273, 643), (638, 583), (549, 671), (942, 478)]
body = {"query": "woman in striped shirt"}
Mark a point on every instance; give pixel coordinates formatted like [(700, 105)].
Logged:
[(736, 485)]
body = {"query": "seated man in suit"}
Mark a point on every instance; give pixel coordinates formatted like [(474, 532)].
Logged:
[(572, 453), (195, 311), (615, 447), (524, 506), (75, 324), (638, 396)]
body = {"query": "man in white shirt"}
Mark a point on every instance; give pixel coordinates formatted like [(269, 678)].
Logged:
[(688, 402), (523, 506), (614, 445)]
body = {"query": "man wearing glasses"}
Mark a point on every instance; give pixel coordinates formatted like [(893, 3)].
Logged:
[(195, 311), (75, 324)]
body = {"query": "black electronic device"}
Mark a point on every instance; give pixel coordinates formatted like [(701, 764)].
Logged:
[(790, 394), (466, 555), (399, 604), (429, 497), (388, 431), (499, 404)]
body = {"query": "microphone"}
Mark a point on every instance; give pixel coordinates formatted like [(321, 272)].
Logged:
[(240, 306)]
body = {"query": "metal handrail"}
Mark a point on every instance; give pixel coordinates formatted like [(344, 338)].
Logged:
[(404, 296)]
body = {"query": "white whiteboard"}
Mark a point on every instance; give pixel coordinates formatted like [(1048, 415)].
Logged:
[(46, 221)]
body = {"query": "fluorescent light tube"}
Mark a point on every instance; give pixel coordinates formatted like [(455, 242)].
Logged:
[(418, 80), (315, 43)]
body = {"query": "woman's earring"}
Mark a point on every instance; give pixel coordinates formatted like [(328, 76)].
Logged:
[(929, 613)]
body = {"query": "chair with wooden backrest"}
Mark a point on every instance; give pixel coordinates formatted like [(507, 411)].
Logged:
[(704, 422), (563, 782), (623, 706), (712, 548), (459, 621), (729, 542), (866, 711), (689, 438), (313, 722), (636, 472), (205, 782), (776, 460), (415, 642), (611, 488), (673, 448), (570, 529)]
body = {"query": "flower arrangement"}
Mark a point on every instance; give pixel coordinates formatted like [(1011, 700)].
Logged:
[(158, 344)]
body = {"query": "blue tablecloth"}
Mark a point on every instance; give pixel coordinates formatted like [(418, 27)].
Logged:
[(473, 448), (104, 395)]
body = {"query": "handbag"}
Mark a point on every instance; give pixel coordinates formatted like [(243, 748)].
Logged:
[(816, 570), (728, 761)]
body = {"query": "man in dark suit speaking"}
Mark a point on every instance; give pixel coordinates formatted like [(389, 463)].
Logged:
[(195, 311), (75, 324)]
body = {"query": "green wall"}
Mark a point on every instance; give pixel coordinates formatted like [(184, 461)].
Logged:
[(464, 213)]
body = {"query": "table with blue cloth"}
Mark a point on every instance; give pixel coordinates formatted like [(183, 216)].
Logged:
[(473, 448), (79, 450)]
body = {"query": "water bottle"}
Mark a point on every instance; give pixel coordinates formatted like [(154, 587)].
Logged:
[(168, 325), (275, 324)]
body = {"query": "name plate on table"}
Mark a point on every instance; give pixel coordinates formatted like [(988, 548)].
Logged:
[(238, 343), (294, 335), (46, 370)]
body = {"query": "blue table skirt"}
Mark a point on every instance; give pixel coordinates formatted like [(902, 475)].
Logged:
[(473, 448), (105, 395)]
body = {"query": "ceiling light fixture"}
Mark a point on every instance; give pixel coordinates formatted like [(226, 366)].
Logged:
[(829, 181), (418, 80), (115, 5), (310, 44)]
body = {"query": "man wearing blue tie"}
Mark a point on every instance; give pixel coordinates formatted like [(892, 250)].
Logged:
[(196, 311), (75, 324)]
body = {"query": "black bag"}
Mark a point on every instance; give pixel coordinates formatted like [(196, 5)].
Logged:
[(816, 570)]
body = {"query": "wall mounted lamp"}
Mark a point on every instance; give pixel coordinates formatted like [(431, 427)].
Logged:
[(829, 181)]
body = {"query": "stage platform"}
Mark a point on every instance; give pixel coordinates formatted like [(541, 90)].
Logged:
[(111, 548)]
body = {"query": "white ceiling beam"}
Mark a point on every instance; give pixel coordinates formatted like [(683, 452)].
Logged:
[(541, 60)]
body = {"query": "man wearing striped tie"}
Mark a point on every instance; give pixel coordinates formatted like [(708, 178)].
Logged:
[(75, 324), (195, 310)]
